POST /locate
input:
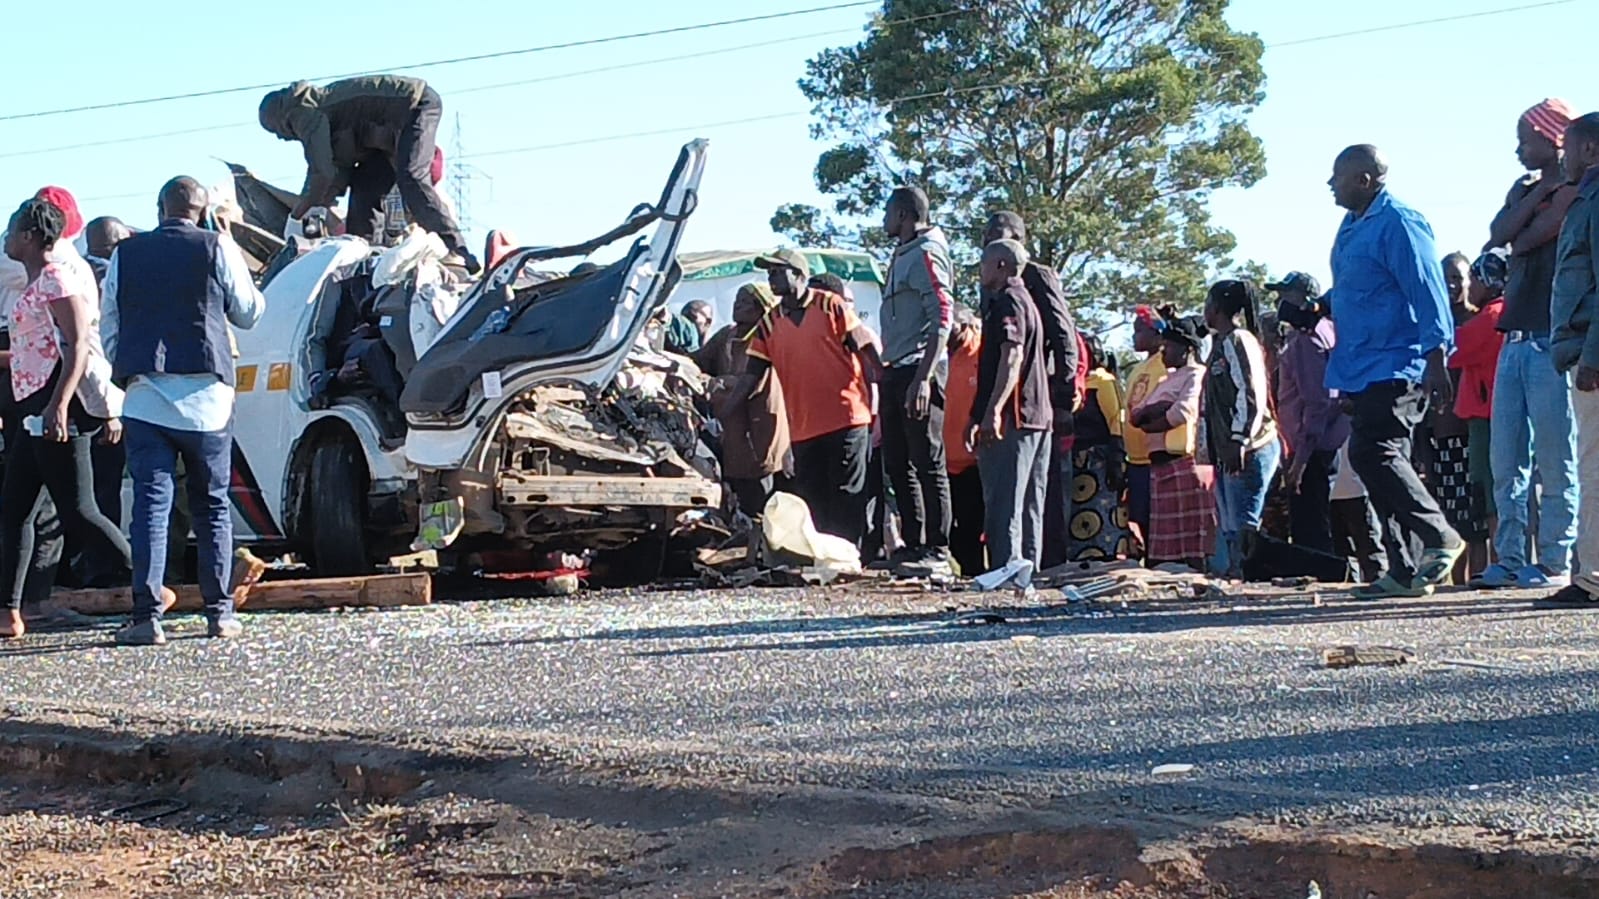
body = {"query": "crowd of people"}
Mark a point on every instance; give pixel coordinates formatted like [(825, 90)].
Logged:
[(119, 361), (122, 360), (1430, 419)]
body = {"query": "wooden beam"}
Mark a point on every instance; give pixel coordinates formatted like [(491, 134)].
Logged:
[(381, 591)]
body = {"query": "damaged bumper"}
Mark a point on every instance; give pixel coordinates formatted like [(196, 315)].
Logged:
[(524, 490), (539, 411)]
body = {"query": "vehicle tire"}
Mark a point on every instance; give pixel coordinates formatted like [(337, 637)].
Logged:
[(335, 516)]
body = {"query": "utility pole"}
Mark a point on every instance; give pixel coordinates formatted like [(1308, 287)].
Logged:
[(460, 177)]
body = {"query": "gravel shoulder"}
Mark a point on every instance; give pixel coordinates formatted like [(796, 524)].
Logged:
[(770, 711)]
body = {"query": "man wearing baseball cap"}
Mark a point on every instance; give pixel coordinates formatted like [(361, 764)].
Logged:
[(823, 358), (1312, 421), (1533, 427)]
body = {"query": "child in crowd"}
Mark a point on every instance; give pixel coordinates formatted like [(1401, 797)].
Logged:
[(1448, 469), (1241, 430), (1476, 358), (1182, 518)]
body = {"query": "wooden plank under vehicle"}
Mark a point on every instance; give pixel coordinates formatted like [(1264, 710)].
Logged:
[(517, 489), (383, 590)]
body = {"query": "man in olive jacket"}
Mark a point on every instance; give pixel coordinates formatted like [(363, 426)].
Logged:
[(367, 135)]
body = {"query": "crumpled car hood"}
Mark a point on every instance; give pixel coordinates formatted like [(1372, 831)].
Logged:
[(647, 417)]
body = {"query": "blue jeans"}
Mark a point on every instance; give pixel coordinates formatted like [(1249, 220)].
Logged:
[(1534, 426), (153, 453), (1240, 501)]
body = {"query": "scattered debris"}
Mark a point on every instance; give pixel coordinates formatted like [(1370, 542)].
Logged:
[(1177, 770), (564, 576), (248, 569), (727, 559), (147, 810), (977, 619), (1314, 891), (423, 560), (1100, 587), (1484, 666), (819, 576), (441, 524), (1017, 574), (1358, 656), (1293, 583)]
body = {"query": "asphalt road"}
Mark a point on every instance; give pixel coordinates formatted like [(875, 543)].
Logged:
[(1496, 726)]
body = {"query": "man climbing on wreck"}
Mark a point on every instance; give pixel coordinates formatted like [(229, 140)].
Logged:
[(367, 135)]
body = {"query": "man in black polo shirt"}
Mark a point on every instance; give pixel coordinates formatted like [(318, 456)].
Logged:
[(1011, 415), (1061, 357)]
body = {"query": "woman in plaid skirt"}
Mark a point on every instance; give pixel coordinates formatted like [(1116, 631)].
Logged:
[(1182, 520)]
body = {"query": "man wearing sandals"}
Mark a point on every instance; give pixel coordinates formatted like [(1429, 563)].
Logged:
[(1394, 337)]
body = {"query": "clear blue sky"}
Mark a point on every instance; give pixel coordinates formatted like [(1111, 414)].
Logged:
[(1442, 99)]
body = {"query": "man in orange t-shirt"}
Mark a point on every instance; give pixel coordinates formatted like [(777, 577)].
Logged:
[(824, 359), (965, 483)]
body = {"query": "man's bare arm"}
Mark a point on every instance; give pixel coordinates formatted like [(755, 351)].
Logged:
[(1010, 367), (1544, 229), (1521, 204)]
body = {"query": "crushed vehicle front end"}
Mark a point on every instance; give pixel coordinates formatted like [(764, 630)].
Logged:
[(538, 420)]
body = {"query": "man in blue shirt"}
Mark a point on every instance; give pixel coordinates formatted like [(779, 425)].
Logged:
[(1394, 337), (178, 287)]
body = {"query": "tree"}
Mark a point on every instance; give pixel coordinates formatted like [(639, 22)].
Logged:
[(1106, 123)]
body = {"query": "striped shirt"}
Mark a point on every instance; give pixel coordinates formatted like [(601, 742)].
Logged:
[(1237, 396)]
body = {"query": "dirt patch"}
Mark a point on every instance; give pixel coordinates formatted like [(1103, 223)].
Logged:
[(1102, 863), (329, 815), (61, 846)]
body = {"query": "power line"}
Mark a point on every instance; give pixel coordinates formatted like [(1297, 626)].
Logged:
[(1397, 26), (503, 54), (948, 92), (134, 194), (111, 142), (558, 76), (720, 51), (632, 134), (1380, 29)]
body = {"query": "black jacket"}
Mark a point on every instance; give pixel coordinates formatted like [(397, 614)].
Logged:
[(1060, 332)]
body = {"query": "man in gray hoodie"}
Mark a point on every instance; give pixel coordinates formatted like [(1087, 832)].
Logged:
[(917, 312), (1574, 315)]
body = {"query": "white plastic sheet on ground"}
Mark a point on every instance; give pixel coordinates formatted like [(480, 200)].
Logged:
[(789, 529)]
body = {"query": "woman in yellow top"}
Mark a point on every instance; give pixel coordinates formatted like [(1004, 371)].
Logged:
[(1141, 382), (1099, 519)]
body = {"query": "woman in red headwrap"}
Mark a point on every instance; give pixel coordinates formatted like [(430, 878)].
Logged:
[(63, 398), (1141, 382)]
